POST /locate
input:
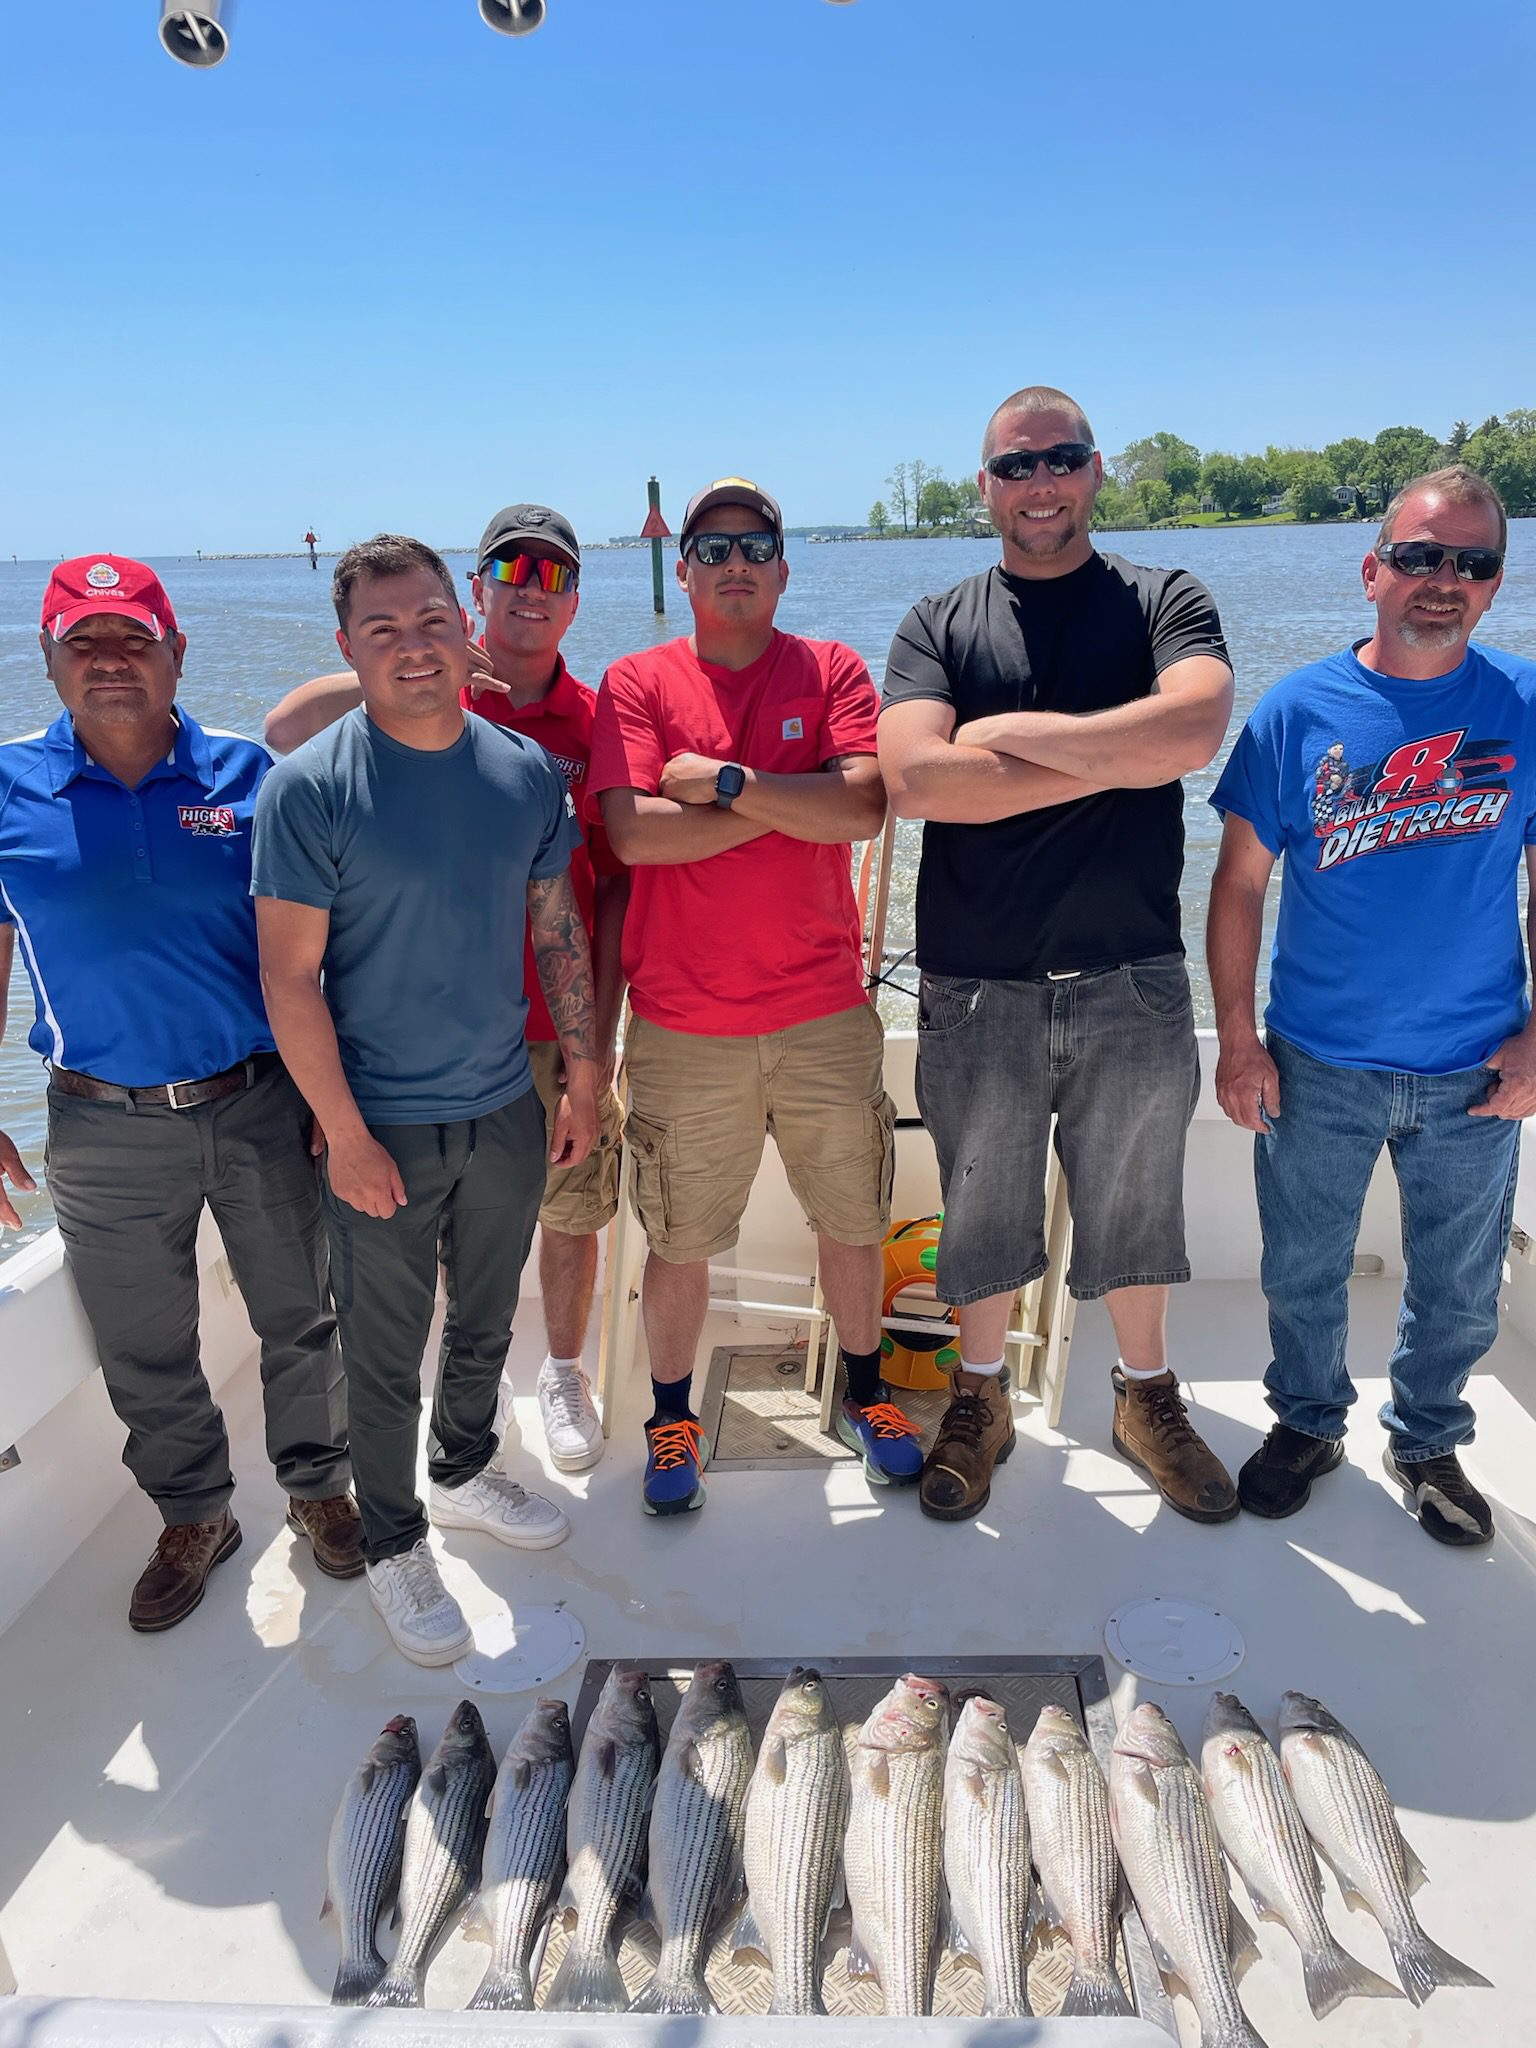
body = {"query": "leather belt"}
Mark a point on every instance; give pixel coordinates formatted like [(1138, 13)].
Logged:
[(170, 1094)]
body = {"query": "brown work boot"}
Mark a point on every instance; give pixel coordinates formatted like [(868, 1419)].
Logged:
[(975, 1433), (1153, 1429), (172, 1583), (335, 1532)]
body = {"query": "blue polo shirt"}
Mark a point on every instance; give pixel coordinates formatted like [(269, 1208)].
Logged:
[(132, 906)]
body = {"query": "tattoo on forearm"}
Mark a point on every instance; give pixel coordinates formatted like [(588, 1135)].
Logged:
[(565, 963)]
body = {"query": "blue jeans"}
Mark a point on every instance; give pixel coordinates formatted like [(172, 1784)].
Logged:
[(1456, 1180)]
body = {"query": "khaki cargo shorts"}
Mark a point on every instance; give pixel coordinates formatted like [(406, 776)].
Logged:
[(699, 1108), (578, 1200)]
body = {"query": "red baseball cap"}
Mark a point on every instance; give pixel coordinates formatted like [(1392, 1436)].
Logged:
[(93, 585)]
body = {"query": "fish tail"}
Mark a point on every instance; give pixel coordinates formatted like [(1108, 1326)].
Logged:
[(504, 1991), (400, 1987), (675, 1995), (356, 1978), (1424, 1966), (587, 1981), (1332, 1975), (1094, 1991)]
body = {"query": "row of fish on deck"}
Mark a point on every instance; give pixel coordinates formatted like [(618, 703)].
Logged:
[(934, 1839)]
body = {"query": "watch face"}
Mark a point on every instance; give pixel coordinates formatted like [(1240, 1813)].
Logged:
[(731, 781)]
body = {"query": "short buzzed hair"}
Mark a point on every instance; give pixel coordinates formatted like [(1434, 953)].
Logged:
[(1458, 485), (1036, 398), (387, 554)]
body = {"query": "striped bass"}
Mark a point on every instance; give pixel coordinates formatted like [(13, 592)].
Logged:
[(892, 1853), (524, 1853), (1350, 1816), (986, 1854), (797, 1809), (605, 1841), (363, 1861), (1167, 1843), (1267, 1840), (1074, 1853), (444, 1834), (696, 1836)]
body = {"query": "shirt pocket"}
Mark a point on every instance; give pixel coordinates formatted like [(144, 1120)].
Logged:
[(786, 736)]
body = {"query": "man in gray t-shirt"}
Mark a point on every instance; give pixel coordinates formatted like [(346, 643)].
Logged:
[(397, 857)]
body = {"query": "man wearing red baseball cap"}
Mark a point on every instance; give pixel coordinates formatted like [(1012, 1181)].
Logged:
[(125, 871)]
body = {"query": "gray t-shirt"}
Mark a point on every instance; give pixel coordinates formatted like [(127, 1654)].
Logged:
[(423, 861)]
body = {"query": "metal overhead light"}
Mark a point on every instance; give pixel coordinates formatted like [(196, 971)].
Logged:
[(197, 36), (513, 17)]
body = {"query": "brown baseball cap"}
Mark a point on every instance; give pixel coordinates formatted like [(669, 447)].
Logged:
[(733, 490)]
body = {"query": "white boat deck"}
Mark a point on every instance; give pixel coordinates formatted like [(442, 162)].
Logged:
[(167, 1798)]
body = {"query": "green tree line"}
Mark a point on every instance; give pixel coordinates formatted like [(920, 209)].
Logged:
[(1163, 478)]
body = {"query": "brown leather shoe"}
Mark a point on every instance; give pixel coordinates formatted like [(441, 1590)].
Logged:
[(1153, 1430), (172, 1583), (975, 1434), (335, 1532)]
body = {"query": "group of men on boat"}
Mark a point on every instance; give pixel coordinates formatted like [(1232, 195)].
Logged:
[(393, 964)]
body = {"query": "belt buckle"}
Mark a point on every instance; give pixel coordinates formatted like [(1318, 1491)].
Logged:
[(170, 1094)]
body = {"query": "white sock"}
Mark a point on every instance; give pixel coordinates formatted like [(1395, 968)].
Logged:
[(1158, 1371), (553, 1364), (968, 1365)]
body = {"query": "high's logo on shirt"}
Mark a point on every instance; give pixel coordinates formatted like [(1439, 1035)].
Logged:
[(573, 771), (208, 821), (1444, 786)]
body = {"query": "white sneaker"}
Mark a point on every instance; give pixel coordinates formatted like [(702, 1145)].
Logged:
[(503, 1509), (425, 1621), (571, 1428)]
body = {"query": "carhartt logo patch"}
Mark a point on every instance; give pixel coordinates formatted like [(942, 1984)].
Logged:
[(793, 729), (209, 821)]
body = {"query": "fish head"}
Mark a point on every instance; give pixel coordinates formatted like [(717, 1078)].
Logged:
[(981, 1734), (1056, 1731), (464, 1735), (397, 1742), (626, 1709), (911, 1716), (802, 1708), (545, 1736), (1228, 1720), (1151, 1738), (712, 1700)]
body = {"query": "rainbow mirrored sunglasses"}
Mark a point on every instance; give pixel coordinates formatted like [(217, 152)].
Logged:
[(555, 577)]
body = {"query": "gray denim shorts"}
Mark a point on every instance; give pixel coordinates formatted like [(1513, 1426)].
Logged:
[(1111, 1055)]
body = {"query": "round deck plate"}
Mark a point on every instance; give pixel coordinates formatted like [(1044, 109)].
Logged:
[(1174, 1642), (515, 1652)]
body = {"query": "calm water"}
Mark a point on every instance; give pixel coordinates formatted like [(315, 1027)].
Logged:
[(254, 629)]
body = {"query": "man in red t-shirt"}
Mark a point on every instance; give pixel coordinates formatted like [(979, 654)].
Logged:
[(734, 768), (527, 569)]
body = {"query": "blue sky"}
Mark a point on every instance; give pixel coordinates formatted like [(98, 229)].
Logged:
[(384, 268)]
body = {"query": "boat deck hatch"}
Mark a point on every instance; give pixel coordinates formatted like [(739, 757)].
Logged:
[(1022, 1685), (756, 1412)]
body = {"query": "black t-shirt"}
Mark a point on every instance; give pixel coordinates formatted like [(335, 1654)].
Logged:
[(1092, 883)]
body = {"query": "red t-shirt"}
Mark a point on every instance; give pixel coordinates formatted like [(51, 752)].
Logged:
[(561, 723), (766, 935)]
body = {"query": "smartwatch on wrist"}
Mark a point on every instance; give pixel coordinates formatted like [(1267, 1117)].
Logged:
[(729, 783)]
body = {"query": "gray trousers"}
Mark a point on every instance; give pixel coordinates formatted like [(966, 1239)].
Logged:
[(474, 1190), (128, 1186)]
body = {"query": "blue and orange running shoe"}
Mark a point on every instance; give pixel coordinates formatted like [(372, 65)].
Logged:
[(884, 1438), (676, 1452)]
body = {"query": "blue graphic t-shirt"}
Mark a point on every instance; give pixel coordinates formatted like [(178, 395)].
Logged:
[(1401, 810)]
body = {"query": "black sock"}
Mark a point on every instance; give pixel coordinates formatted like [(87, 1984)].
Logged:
[(671, 1397), (863, 1370)]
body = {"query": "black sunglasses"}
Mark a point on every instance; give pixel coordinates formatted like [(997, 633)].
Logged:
[(1061, 460), (713, 549), (1424, 557)]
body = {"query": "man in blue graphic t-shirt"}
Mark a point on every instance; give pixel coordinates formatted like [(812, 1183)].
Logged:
[(1397, 782)]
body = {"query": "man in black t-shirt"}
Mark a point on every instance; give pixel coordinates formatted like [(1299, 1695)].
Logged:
[(1038, 718)]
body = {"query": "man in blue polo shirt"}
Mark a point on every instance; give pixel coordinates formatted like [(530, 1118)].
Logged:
[(125, 862)]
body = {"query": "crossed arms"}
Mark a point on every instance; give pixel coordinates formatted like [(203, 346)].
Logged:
[(999, 767), (841, 801)]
